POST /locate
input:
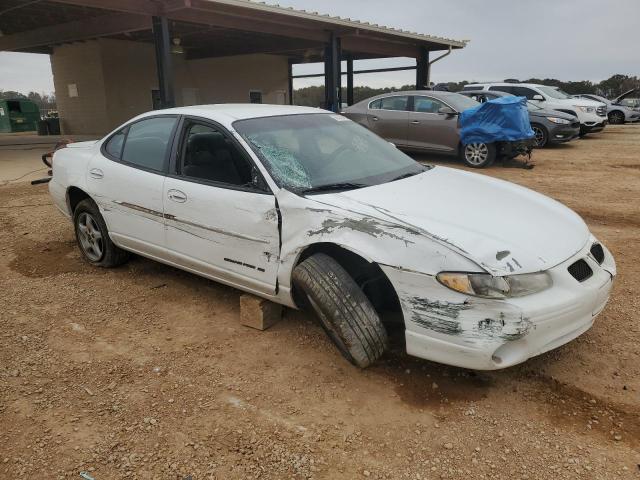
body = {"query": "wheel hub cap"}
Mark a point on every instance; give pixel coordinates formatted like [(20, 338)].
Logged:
[(90, 237), (476, 153)]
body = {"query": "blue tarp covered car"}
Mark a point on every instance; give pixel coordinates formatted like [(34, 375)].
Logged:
[(504, 119)]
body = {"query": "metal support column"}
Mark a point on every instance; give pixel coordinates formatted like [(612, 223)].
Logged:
[(423, 74), (290, 80), (350, 80), (163, 61), (332, 75)]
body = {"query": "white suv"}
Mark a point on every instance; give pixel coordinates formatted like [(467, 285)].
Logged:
[(592, 115)]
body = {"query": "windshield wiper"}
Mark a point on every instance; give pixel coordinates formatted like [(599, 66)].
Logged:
[(406, 175), (334, 187)]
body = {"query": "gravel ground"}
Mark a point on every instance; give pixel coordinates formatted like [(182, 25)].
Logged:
[(144, 371)]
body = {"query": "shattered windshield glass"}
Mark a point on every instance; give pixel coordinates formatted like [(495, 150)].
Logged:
[(324, 152)]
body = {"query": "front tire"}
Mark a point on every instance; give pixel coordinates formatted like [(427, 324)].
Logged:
[(345, 313), (541, 135), (479, 155), (616, 118), (93, 237)]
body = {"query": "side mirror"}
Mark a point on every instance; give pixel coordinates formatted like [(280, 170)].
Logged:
[(393, 145), (538, 98), (447, 111)]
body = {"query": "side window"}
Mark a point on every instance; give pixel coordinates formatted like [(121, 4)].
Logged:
[(502, 88), (524, 92), (209, 155), (394, 103), (375, 105), (114, 145), (427, 105), (147, 141)]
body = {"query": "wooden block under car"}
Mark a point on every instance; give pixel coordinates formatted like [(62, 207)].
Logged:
[(258, 313)]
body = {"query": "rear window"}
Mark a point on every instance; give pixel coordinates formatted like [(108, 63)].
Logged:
[(398, 103), (147, 141)]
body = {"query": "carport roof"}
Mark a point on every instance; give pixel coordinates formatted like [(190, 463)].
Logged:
[(206, 28)]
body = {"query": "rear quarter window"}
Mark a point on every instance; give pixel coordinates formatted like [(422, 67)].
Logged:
[(502, 88)]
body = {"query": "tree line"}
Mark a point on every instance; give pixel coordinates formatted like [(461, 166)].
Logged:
[(610, 88)]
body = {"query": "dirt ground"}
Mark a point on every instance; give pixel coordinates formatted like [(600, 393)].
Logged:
[(144, 371)]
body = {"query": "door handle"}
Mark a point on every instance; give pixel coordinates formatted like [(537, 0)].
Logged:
[(375, 119), (415, 122), (177, 196), (96, 173)]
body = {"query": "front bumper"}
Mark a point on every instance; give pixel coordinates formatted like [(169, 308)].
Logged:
[(563, 133), (484, 334), (592, 127)]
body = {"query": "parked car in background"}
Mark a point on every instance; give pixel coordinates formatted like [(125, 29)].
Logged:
[(592, 115), (425, 120), (307, 208), (550, 126), (617, 112)]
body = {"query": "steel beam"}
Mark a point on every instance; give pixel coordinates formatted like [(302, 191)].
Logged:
[(422, 69), (162, 43), (95, 27), (332, 75), (350, 80), (290, 81)]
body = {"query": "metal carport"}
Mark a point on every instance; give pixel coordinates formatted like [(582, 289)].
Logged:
[(218, 28)]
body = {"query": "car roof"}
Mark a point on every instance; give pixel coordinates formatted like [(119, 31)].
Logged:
[(227, 113), (432, 93), (497, 93)]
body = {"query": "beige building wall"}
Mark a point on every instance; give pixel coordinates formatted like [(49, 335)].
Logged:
[(80, 89), (115, 79)]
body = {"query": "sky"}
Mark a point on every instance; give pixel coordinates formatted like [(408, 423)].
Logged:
[(564, 39)]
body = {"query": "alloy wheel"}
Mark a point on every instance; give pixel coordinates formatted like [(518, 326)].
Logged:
[(540, 136), (476, 153), (90, 237), (616, 118)]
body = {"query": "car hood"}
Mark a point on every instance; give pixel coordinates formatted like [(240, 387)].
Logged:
[(502, 227), (582, 102), (625, 95)]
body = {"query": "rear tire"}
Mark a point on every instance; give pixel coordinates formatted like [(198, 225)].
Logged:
[(478, 155), (542, 135), (93, 237), (345, 313)]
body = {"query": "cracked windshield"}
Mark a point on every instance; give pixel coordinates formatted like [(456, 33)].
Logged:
[(324, 152)]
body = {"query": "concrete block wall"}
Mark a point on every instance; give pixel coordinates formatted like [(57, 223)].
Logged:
[(115, 79)]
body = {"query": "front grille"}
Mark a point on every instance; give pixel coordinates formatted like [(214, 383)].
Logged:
[(598, 252), (580, 270), (602, 111)]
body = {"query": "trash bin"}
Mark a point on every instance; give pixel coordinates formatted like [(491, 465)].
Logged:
[(43, 127), (54, 126)]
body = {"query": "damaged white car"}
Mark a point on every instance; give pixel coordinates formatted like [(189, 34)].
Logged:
[(307, 208)]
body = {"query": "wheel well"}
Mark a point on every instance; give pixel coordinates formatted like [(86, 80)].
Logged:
[(74, 197), (615, 111), (368, 275)]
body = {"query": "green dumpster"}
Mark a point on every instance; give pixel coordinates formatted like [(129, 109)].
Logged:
[(18, 115)]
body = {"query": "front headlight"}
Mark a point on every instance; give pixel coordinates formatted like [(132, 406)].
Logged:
[(586, 109), (559, 121), (488, 286)]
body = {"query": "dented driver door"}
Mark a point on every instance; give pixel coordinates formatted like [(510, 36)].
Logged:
[(220, 219)]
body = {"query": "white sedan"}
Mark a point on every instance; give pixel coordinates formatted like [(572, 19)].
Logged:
[(307, 208)]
